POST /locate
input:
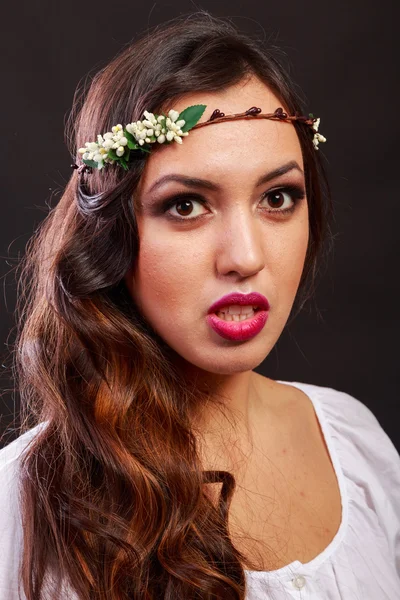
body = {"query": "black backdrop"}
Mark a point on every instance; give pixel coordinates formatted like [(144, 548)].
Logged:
[(343, 56)]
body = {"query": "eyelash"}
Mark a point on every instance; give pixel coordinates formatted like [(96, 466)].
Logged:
[(295, 191)]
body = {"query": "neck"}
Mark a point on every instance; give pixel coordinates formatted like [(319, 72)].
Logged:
[(228, 416)]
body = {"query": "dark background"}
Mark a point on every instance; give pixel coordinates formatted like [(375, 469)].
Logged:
[(343, 56)]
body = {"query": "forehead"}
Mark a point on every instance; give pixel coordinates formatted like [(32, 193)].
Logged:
[(225, 151)]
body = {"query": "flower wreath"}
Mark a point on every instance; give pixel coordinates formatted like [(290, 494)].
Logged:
[(122, 144)]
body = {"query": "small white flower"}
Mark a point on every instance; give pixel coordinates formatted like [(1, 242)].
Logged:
[(150, 116), (108, 144), (130, 128), (173, 114), (317, 139), (170, 135), (119, 135), (161, 138), (120, 151), (317, 136)]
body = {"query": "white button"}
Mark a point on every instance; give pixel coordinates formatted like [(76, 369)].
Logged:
[(299, 582)]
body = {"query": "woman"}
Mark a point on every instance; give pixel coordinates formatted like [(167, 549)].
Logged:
[(153, 461)]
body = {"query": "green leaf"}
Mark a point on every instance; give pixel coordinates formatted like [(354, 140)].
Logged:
[(112, 154), (145, 148), (123, 163), (191, 115), (90, 163), (129, 136), (132, 143)]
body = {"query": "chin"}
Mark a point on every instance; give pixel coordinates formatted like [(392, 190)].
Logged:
[(223, 361)]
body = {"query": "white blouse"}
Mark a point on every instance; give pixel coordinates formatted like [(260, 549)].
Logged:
[(362, 562)]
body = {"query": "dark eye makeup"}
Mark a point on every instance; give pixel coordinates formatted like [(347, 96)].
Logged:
[(296, 192)]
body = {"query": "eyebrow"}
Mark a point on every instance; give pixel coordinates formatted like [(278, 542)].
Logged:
[(209, 185)]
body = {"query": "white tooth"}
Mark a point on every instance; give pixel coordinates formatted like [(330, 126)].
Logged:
[(234, 309), (228, 317), (238, 309)]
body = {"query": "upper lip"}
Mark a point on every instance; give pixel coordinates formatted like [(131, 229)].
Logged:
[(252, 299)]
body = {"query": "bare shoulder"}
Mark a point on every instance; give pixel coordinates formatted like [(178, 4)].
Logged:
[(290, 416), (285, 401)]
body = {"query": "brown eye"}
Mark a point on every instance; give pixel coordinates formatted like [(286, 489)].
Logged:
[(276, 199), (184, 207)]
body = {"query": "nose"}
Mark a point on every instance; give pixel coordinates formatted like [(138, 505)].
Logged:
[(240, 248)]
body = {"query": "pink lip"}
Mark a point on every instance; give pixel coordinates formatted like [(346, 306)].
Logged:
[(239, 330), (254, 299)]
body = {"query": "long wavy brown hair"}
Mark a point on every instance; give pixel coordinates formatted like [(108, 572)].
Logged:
[(112, 487)]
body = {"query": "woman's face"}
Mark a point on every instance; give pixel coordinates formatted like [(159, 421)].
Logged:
[(226, 236)]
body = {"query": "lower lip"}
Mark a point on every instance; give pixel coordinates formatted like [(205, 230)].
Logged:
[(238, 330)]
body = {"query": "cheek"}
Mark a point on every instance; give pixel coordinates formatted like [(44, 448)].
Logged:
[(289, 258), (166, 275)]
